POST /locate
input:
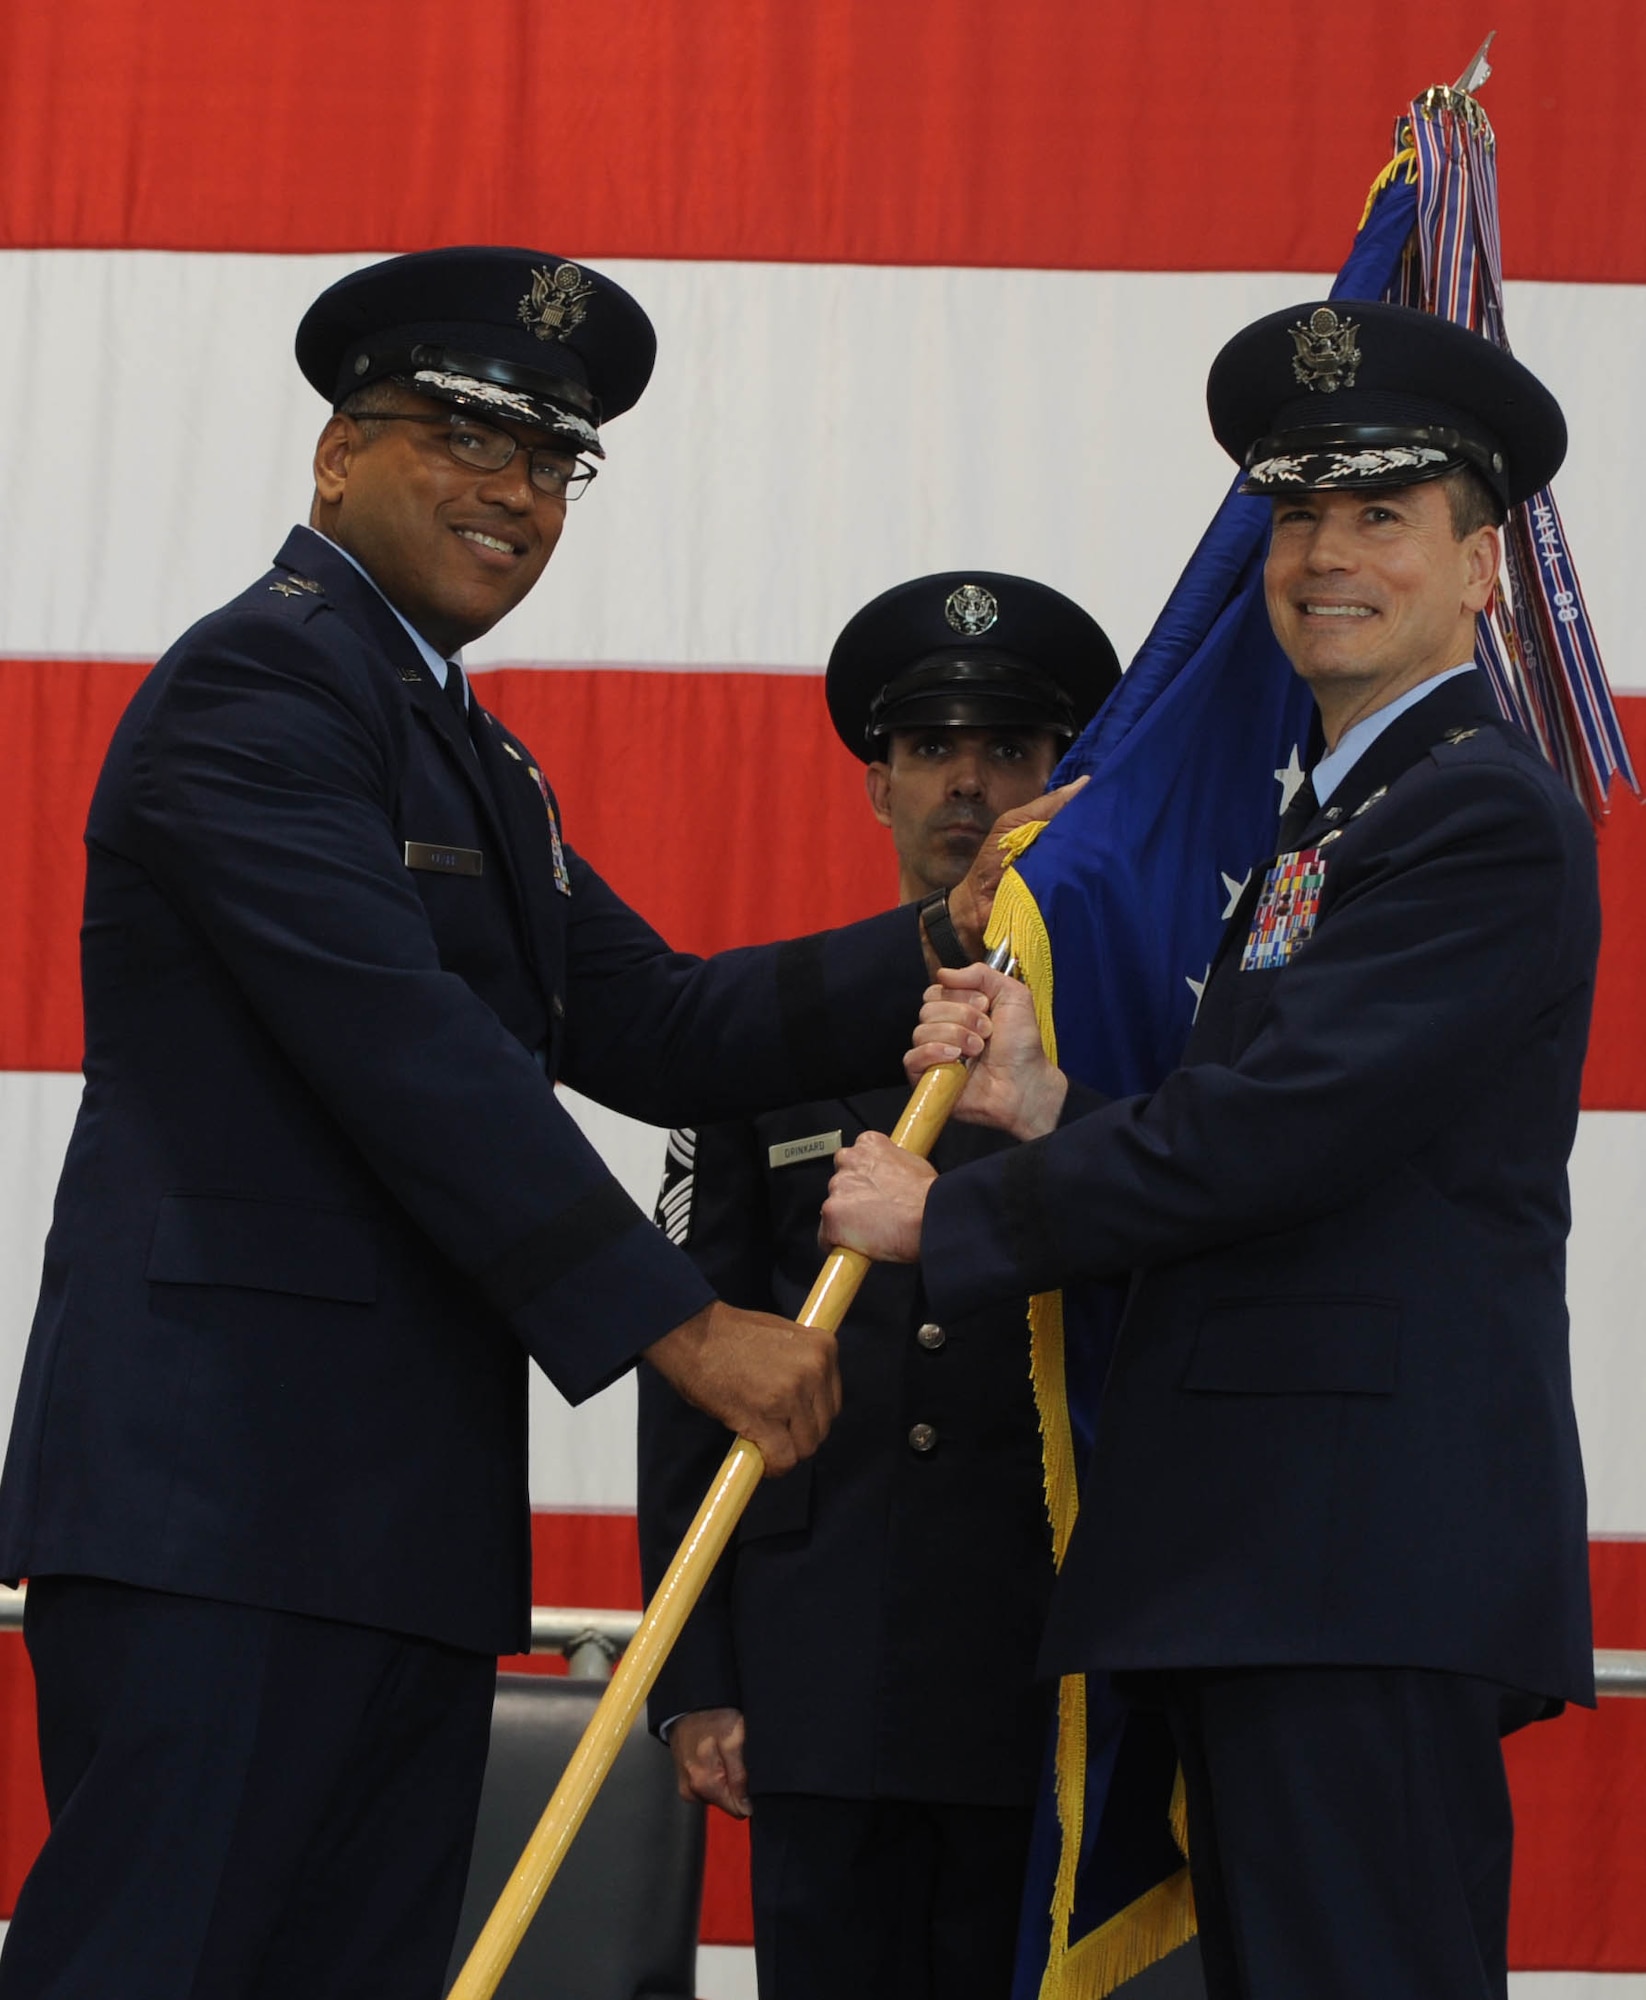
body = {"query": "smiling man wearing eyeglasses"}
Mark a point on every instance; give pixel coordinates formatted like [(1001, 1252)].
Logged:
[(453, 518), (267, 1474)]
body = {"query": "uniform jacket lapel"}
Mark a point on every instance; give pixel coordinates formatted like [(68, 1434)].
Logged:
[(524, 807), (1462, 703), (523, 847), (1455, 704)]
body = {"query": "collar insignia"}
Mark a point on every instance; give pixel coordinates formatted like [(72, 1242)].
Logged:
[(1326, 356), (971, 609), (554, 307)]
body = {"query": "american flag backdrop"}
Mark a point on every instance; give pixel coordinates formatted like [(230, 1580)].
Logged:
[(935, 283)]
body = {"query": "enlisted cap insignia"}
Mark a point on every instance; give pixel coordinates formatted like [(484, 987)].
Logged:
[(971, 609), (292, 585), (554, 307), (1326, 356)]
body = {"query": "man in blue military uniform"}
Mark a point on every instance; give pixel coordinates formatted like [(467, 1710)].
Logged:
[(860, 1669), (1334, 1522), (267, 1473)]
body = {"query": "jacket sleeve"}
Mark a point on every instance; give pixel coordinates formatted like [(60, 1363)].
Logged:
[(723, 1222), (1468, 930), (678, 1040)]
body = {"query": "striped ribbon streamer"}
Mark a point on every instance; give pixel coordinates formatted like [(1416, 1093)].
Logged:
[(1536, 645)]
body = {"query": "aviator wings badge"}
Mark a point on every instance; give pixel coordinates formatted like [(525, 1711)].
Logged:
[(554, 307), (1326, 356)]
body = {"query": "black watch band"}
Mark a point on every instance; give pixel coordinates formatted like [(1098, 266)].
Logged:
[(941, 934)]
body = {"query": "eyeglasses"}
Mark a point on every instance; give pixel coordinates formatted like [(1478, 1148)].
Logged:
[(488, 449)]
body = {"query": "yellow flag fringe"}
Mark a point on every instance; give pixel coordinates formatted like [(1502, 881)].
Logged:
[(1163, 1917), (1403, 163)]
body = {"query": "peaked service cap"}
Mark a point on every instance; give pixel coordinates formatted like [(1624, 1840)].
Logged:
[(967, 648), (1353, 393), (502, 333)]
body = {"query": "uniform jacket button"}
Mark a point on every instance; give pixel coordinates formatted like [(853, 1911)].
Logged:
[(931, 1336), (923, 1437)]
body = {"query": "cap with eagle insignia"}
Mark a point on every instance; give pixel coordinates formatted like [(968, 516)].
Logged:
[(1350, 393), (967, 648), (519, 334)]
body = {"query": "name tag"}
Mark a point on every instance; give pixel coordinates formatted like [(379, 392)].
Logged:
[(444, 860), (820, 1146)]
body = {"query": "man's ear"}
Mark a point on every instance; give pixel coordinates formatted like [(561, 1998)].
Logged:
[(877, 782), (1483, 557), (332, 458)]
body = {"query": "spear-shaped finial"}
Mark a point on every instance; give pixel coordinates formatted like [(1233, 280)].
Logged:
[(1478, 70)]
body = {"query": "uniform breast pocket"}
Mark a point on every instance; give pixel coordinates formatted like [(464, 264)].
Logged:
[(796, 1191), (779, 1507), (1297, 1347)]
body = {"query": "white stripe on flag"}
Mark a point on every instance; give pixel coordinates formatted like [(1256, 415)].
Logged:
[(814, 433)]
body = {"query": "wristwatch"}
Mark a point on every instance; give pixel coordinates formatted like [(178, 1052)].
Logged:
[(941, 934)]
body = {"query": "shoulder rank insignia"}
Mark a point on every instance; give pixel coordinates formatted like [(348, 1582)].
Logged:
[(1286, 911), (562, 874), (292, 585), (1326, 357), (1460, 735)]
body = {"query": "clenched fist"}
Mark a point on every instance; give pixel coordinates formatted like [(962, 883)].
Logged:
[(767, 1379)]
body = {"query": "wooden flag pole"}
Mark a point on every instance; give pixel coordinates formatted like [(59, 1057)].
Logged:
[(925, 1115)]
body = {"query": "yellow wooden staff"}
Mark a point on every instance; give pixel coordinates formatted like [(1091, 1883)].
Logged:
[(925, 1115)]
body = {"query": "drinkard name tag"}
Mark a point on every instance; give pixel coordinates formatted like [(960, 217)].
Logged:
[(820, 1146), (435, 860)]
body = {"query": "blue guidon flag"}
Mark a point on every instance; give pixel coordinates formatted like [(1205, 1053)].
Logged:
[(1114, 911)]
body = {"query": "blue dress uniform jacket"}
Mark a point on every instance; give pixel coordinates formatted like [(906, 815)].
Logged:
[(321, 1201), (878, 1614), (1338, 1426)]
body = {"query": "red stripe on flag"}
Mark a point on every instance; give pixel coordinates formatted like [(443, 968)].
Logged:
[(62, 714), (587, 1560), (1186, 135), (1580, 1868), (720, 804)]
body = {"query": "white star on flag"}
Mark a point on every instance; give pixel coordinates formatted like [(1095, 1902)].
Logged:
[(1235, 891), (1198, 988), (1290, 778)]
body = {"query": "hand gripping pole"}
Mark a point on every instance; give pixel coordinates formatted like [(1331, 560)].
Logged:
[(924, 1117)]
